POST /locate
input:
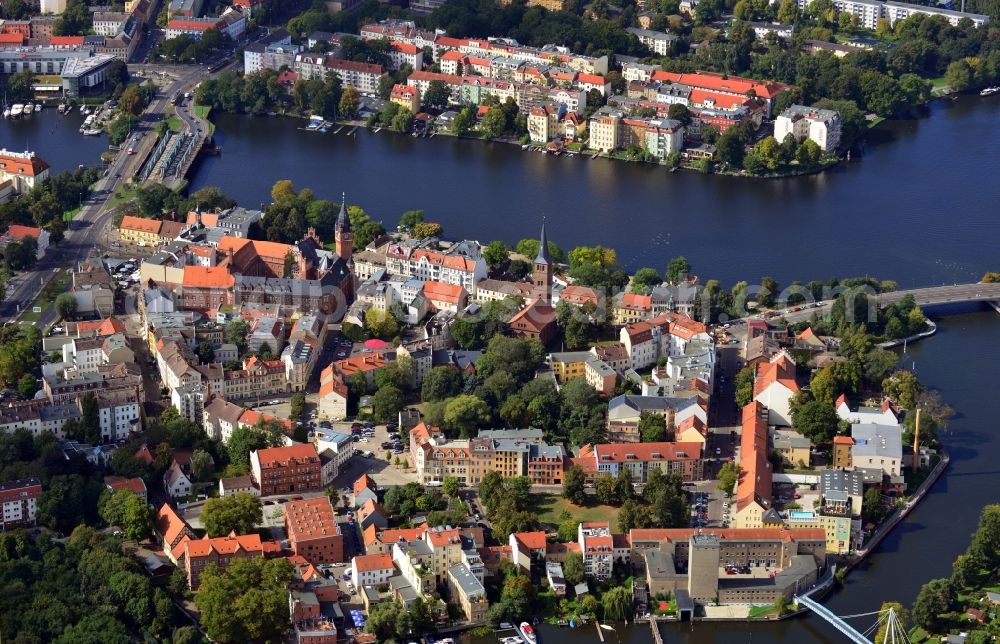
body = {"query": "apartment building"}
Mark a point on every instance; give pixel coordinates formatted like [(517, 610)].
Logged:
[(313, 531), (283, 470), (639, 459), (820, 126), (19, 500)]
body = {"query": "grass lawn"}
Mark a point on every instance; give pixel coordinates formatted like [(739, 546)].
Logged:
[(761, 611), (202, 112), (175, 123), (550, 506), (58, 285), (70, 215), (123, 194)]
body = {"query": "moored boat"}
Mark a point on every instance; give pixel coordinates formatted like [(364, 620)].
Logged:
[(527, 633), (16, 110), (989, 91)]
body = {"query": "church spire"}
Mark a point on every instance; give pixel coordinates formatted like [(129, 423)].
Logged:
[(543, 248), (343, 221)]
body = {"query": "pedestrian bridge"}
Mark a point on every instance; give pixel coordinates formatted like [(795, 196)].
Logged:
[(954, 293), (895, 632)]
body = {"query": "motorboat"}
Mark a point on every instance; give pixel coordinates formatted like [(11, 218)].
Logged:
[(989, 91), (38, 107), (16, 110), (29, 109), (91, 132), (6, 112), (527, 633)]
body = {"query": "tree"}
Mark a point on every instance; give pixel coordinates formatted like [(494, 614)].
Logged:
[(202, 465), (903, 388), (652, 427), (349, 101), (574, 485), (935, 598), (744, 386), (788, 12), (872, 506), (645, 279), (903, 615), (490, 489), (237, 332), (808, 153), (728, 475), (240, 513), (381, 324), (297, 405), (411, 218), (248, 600), (495, 253), (437, 94), (27, 386), (451, 486), (633, 514), (242, 441), (463, 121), (617, 604), (573, 568), (604, 487), (623, 486), (66, 306), (426, 229), (465, 414), (441, 383), (677, 270), (205, 353), (387, 403), (125, 509), (816, 420), (493, 123)]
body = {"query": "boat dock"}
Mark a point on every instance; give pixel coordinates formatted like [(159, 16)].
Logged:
[(600, 631), (657, 636)]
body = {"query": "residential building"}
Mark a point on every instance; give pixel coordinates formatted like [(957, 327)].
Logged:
[(176, 482), (841, 492), (792, 446), (469, 592), (134, 485), (283, 470), (883, 415), (371, 570), (754, 491), (230, 485), (406, 96), (684, 459), (625, 411), (774, 385), (597, 548), (197, 554), (662, 336), (313, 531), (371, 514), (19, 501), (193, 27), (842, 446), (818, 125), (24, 169), (17, 232), (877, 447), (604, 126), (658, 42), (364, 490), (171, 530)]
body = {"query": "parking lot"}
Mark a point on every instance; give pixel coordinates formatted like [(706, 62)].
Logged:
[(709, 506)]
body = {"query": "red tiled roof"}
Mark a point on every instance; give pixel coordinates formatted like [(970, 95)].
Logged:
[(181, 24), (66, 41), (135, 485), (637, 302), (755, 480), (168, 524), (227, 545), (363, 483), (579, 295), (593, 79), (531, 540), (719, 100), (718, 82), (843, 440), (208, 277), (780, 370), (11, 39), (368, 563), (636, 452), (277, 456), (441, 292), (372, 534), (442, 538), (17, 231), (140, 224), (310, 519)]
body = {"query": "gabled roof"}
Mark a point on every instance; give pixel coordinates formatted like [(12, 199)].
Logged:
[(755, 481), (17, 231), (370, 563), (279, 456), (169, 525), (530, 540), (228, 545), (780, 369)]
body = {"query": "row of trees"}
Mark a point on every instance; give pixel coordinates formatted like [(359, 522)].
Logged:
[(290, 214), (187, 49), (45, 205)]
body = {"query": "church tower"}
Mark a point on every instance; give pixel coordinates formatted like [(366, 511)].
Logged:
[(541, 277), (343, 238)]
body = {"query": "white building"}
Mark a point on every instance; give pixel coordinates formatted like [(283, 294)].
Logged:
[(877, 447), (774, 387), (819, 125), (51, 6), (372, 570), (657, 41), (597, 548), (18, 500), (175, 482)]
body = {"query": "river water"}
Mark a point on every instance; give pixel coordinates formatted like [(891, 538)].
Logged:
[(919, 206)]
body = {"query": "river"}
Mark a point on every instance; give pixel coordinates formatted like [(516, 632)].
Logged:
[(920, 207)]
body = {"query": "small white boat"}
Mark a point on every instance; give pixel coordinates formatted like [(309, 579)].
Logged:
[(989, 91), (29, 109), (527, 633), (91, 132), (6, 112), (16, 110), (85, 111), (38, 108)]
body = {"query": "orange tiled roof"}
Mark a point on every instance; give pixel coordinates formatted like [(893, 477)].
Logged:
[(168, 524), (442, 538), (755, 480), (531, 540), (780, 370), (66, 41), (140, 224), (363, 483), (208, 277), (310, 519), (372, 535), (718, 82), (278, 456), (665, 451), (135, 485), (17, 231), (722, 101), (368, 563), (441, 292), (227, 545), (25, 166), (746, 534), (637, 302)]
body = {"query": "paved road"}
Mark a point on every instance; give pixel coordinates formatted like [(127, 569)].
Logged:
[(84, 235)]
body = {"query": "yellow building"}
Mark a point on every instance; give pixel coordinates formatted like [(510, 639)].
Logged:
[(604, 130), (567, 365), (837, 529), (792, 446), (134, 230), (405, 96)]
